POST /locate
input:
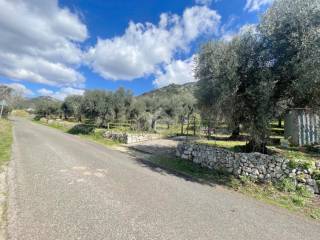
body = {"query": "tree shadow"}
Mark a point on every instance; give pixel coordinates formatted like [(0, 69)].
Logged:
[(168, 164)]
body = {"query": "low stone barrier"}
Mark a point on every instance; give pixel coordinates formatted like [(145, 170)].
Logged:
[(257, 166), (129, 138)]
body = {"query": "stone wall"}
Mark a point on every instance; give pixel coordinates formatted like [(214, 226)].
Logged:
[(257, 166), (128, 138)]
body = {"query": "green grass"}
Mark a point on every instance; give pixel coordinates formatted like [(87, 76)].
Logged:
[(297, 155), (282, 194), (95, 136), (230, 145), (5, 141)]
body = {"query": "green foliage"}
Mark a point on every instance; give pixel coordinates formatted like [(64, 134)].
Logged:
[(290, 30), (298, 200), (316, 175), (303, 191), (5, 141), (47, 106), (82, 129), (286, 185), (263, 71), (294, 164), (72, 106)]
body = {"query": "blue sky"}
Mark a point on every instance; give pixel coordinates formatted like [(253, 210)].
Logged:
[(59, 48)]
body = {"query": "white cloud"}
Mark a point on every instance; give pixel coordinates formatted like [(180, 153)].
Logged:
[(62, 93), (143, 47), (45, 92), (229, 35), (255, 5), (178, 72), (38, 42), (204, 2), (20, 89)]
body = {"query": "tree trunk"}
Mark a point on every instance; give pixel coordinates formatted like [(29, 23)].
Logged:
[(188, 125), (235, 133), (194, 126), (182, 127), (154, 124), (253, 146), (279, 122)]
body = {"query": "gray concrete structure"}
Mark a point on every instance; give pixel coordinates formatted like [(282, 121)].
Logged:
[(302, 127)]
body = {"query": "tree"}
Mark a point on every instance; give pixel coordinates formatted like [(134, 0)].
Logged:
[(290, 30), (46, 107), (121, 104), (235, 83), (218, 82), (5, 96), (72, 106), (97, 105)]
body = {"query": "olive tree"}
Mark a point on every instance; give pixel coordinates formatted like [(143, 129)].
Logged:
[(291, 31), (72, 106)]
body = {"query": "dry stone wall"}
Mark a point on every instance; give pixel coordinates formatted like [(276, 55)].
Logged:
[(129, 138), (257, 166)]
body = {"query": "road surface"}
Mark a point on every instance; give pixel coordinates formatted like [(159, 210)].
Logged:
[(62, 187)]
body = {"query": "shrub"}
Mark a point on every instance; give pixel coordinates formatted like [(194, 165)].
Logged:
[(298, 200), (286, 185), (303, 191), (293, 164), (82, 129), (316, 175)]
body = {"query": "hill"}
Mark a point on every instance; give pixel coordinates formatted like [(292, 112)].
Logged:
[(170, 90), (32, 102)]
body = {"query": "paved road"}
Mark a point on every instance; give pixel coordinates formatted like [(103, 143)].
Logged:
[(66, 188)]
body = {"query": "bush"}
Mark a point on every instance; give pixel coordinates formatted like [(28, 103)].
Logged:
[(304, 192), (286, 185), (316, 175), (298, 200), (82, 129), (293, 164)]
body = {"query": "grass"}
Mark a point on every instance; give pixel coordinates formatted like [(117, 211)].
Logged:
[(230, 145), (5, 141), (283, 194), (95, 135)]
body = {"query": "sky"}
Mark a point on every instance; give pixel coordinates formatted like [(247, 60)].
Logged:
[(59, 48)]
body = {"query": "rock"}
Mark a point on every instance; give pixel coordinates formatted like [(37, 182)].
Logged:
[(317, 164)]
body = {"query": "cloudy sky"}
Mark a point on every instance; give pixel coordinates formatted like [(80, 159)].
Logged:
[(58, 48)]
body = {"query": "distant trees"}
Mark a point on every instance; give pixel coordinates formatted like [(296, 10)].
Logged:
[(103, 107), (72, 107), (248, 80), (47, 106)]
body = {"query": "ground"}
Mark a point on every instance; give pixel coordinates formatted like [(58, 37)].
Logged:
[(65, 187)]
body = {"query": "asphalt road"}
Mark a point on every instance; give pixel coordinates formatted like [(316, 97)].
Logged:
[(62, 187)]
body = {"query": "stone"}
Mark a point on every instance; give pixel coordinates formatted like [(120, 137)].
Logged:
[(255, 165)]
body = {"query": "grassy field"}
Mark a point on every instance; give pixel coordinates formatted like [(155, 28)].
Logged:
[(282, 194), (5, 141), (94, 135)]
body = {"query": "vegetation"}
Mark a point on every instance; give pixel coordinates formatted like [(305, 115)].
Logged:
[(5, 141), (85, 131), (284, 194), (263, 71)]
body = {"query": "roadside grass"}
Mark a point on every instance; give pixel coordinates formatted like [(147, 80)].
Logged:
[(282, 194), (5, 141), (20, 113), (95, 135)]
